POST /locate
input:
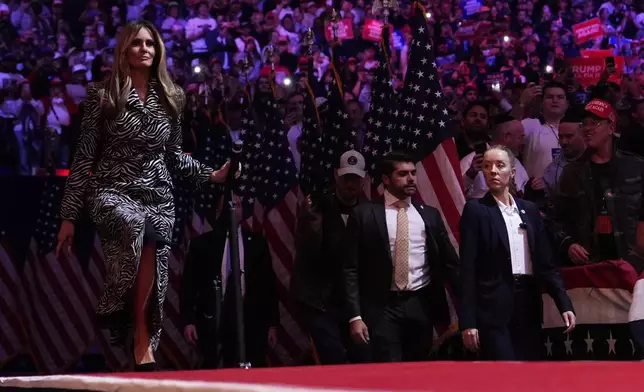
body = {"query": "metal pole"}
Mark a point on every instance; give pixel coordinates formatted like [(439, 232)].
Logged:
[(234, 263)]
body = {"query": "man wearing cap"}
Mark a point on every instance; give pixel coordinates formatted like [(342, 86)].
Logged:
[(597, 210), (316, 282), (397, 260)]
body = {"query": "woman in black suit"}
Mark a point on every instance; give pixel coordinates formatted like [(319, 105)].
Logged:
[(505, 257)]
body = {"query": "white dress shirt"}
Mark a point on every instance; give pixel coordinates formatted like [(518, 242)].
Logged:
[(226, 266), (541, 144), (517, 238), (418, 276), (293, 134)]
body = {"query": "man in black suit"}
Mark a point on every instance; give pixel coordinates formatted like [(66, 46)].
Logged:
[(505, 255), (207, 302), (397, 261), (316, 282)]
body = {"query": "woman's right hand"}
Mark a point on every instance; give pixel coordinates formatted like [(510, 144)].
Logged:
[(65, 235)]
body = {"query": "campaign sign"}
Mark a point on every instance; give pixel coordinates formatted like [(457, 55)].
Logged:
[(372, 30), (470, 7), (603, 53), (588, 70), (345, 30), (588, 30), (398, 39), (495, 77)]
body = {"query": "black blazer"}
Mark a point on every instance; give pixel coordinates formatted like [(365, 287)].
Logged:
[(316, 280), (203, 266), (368, 265), (486, 269)]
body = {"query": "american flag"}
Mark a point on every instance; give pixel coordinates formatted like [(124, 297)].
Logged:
[(184, 196), (278, 196), (215, 153), (338, 136), (424, 128), (12, 338), (246, 186), (60, 321), (383, 114), (312, 153)]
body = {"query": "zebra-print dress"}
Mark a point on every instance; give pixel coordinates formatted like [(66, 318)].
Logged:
[(129, 197)]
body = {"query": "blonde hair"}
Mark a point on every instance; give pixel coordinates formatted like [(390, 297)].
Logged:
[(117, 86), (499, 147)]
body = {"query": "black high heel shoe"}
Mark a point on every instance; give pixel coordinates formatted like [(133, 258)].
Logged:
[(146, 367)]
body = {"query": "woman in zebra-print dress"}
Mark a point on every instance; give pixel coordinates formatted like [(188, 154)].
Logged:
[(131, 139)]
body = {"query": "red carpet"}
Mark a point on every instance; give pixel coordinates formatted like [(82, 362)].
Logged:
[(427, 376)]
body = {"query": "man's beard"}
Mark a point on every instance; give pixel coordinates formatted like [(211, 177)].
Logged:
[(476, 134)]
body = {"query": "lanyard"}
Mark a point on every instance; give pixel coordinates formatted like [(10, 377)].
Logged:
[(555, 132)]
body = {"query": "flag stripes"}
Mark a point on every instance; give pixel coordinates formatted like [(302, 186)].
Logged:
[(60, 327), (279, 230), (12, 339), (440, 187)]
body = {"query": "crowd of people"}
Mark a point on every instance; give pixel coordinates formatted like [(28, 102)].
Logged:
[(490, 50), (523, 85)]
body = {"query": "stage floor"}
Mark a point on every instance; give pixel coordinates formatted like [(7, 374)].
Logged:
[(422, 376)]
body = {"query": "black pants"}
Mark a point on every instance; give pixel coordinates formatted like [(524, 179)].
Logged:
[(330, 333), (404, 331), (520, 340), (208, 343), (221, 351)]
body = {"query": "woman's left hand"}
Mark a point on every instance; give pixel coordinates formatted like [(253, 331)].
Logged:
[(221, 175), (570, 320)]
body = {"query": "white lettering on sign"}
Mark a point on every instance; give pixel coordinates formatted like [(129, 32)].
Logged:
[(586, 31), (588, 73), (582, 69), (597, 106)]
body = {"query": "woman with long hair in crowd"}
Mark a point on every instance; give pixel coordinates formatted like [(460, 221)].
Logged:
[(131, 141)]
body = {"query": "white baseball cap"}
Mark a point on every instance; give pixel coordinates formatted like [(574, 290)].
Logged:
[(352, 162)]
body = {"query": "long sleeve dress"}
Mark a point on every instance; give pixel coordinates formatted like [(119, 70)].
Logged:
[(129, 197)]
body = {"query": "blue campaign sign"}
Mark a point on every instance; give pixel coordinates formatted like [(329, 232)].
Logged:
[(399, 40), (470, 7)]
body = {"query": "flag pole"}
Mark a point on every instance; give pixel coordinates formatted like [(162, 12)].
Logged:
[(233, 238), (234, 257)]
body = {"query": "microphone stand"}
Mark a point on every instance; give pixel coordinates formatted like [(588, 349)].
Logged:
[(234, 256)]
